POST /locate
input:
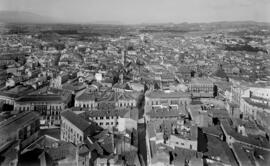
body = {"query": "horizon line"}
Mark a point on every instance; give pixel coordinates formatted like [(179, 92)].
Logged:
[(100, 22)]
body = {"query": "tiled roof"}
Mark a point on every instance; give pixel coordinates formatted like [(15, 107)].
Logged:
[(107, 113), (151, 130), (74, 87), (220, 73), (107, 144), (161, 94), (184, 154), (218, 148), (251, 139), (107, 96), (76, 120), (242, 156), (87, 96), (41, 98), (64, 150), (201, 80), (125, 96), (255, 104), (164, 112), (219, 113), (11, 95)]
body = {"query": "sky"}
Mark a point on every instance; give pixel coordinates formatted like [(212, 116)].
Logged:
[(144, 11)]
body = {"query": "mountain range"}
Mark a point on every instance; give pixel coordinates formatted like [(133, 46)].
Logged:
[(28, 17), (24, 17)]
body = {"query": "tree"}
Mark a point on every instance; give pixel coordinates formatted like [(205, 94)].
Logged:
[(192, 73), (115, 78), (145, 87), (156, 86), (215, 89)]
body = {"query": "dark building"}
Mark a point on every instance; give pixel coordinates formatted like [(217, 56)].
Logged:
[(23, 127)]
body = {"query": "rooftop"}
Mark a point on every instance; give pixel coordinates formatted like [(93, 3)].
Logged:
[(62, 151), (76, 120), (191, 133), (87, 96), (164, 112), (256, 104), (251, 139), (219, 150), (220, 73), (243, 155), (201, 80), (16, 122), (107, 113), (162, 94), (180, 155), (219, 113), (40, 98)]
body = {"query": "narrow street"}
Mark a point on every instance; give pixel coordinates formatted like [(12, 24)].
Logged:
[(142, 132)]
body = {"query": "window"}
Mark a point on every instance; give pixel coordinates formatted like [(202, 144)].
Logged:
[(107, 123), (111, 123), (107, 117), (101, 123), (182, 144), (101, 117), (190, 146)]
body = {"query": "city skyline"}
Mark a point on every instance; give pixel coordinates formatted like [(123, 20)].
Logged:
[(150, 11)]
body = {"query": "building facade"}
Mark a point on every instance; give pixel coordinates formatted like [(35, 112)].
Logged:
[(201, 87), (94, 100), (110, 118), (49, 107), (74, 128), (23, 126), (158, 98)]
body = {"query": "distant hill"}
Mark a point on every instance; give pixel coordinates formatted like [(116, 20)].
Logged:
[(23, 17)]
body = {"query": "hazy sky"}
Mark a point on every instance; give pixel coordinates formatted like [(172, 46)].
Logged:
[(147, 11)]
